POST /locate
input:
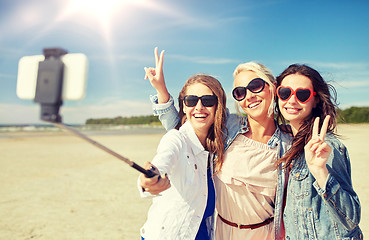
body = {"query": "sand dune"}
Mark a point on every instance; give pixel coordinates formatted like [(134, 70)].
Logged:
[(56, 186)]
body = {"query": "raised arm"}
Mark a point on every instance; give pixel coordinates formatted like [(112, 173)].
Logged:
[(156, 77), (329, 163), (163, 103)]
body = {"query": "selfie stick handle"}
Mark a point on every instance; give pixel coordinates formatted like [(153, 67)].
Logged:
[(148, 173)]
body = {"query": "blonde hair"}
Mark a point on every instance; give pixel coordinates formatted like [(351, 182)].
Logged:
[(263, 73)]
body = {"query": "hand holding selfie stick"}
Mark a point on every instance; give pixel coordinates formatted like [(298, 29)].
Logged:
[(49, 94)]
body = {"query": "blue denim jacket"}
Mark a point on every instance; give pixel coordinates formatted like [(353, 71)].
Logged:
[(315, 213)]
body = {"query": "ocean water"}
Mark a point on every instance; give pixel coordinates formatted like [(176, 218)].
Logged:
[(6, 130)]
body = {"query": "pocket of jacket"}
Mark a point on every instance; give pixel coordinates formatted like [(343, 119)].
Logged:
[(299, 182)]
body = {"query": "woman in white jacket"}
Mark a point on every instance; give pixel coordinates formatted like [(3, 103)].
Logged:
[(185, 156)]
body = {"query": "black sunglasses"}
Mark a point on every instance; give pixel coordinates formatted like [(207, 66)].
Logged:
[(255, 86), (206, 100)]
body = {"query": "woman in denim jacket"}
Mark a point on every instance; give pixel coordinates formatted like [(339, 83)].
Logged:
[(245, 184), (315, 198)]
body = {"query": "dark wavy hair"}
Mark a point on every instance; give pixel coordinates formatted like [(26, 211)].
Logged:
[(217, 131), (326, 105)]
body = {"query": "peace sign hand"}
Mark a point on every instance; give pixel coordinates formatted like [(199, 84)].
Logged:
[(317, 152), (156, 77)]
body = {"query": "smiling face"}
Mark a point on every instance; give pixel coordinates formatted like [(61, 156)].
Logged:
[(200, 117), (255, 105), (293, 110)]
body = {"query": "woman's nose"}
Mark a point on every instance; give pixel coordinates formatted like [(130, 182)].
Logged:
[(249, 94), (292, 99), (199, 105)]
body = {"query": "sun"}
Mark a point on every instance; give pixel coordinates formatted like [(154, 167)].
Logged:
[(102, 12)]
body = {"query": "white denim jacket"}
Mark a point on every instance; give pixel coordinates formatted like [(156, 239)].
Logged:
[(177, 212)]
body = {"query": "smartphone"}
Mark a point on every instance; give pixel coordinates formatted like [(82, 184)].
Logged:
[(74, 80)]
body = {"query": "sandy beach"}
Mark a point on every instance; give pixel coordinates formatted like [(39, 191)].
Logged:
[(56, 186)]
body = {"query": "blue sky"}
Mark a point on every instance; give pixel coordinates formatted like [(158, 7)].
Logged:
[(206, 36)]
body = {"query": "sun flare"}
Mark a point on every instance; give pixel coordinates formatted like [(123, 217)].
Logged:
[(101, 12), (100, 9)]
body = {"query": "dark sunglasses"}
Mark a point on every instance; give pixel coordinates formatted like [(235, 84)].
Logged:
[(255, 86), (206, 100), (303, 95)]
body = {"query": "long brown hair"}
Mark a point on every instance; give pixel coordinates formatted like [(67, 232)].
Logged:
[(326, 105), (217, 131)]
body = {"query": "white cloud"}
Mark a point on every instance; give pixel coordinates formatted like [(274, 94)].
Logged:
[(21, 114), (204, 60), (124, 57), (350, 84), (343, 74), (143, 59), (8, 76), (356, 104), (333, 66), (27, 16), (106, 109), (232, 20), (343, 66)]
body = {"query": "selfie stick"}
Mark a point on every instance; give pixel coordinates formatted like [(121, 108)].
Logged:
[(49, 95), (148, 173)]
